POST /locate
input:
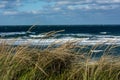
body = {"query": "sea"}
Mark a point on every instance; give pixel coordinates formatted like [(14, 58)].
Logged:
[(82, 35)]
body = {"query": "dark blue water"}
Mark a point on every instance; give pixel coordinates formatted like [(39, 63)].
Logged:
[(92, 29), (17, 31), (90, 34)]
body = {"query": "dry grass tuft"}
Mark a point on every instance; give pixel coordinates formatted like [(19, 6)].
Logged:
[(56, 63)]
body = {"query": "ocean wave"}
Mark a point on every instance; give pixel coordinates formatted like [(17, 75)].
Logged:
[(57, 36), (14, 34), (80, 38), (79, 41)]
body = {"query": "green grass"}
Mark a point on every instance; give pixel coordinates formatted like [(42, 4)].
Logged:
[(61, 63)]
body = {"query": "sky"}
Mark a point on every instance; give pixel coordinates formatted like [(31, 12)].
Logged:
[(59, 12)]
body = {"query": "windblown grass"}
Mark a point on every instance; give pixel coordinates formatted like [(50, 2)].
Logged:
[(55, 63), (64, 62)]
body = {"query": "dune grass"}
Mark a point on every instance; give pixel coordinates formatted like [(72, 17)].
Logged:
[(56, 63)]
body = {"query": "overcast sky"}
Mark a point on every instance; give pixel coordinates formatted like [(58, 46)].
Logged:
[(59, 12)]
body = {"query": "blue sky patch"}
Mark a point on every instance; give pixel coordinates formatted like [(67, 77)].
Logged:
[(59, 12)]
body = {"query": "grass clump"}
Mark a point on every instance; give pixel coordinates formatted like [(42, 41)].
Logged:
[(55, 63)]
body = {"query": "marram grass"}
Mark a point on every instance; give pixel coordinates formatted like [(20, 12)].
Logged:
[(60, 63)]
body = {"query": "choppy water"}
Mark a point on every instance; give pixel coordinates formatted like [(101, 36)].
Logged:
[(82, 34), (85, 34), (88, 35)]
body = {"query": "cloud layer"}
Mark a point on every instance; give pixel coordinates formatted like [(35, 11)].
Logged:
[(9, 7), (65, 11)]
